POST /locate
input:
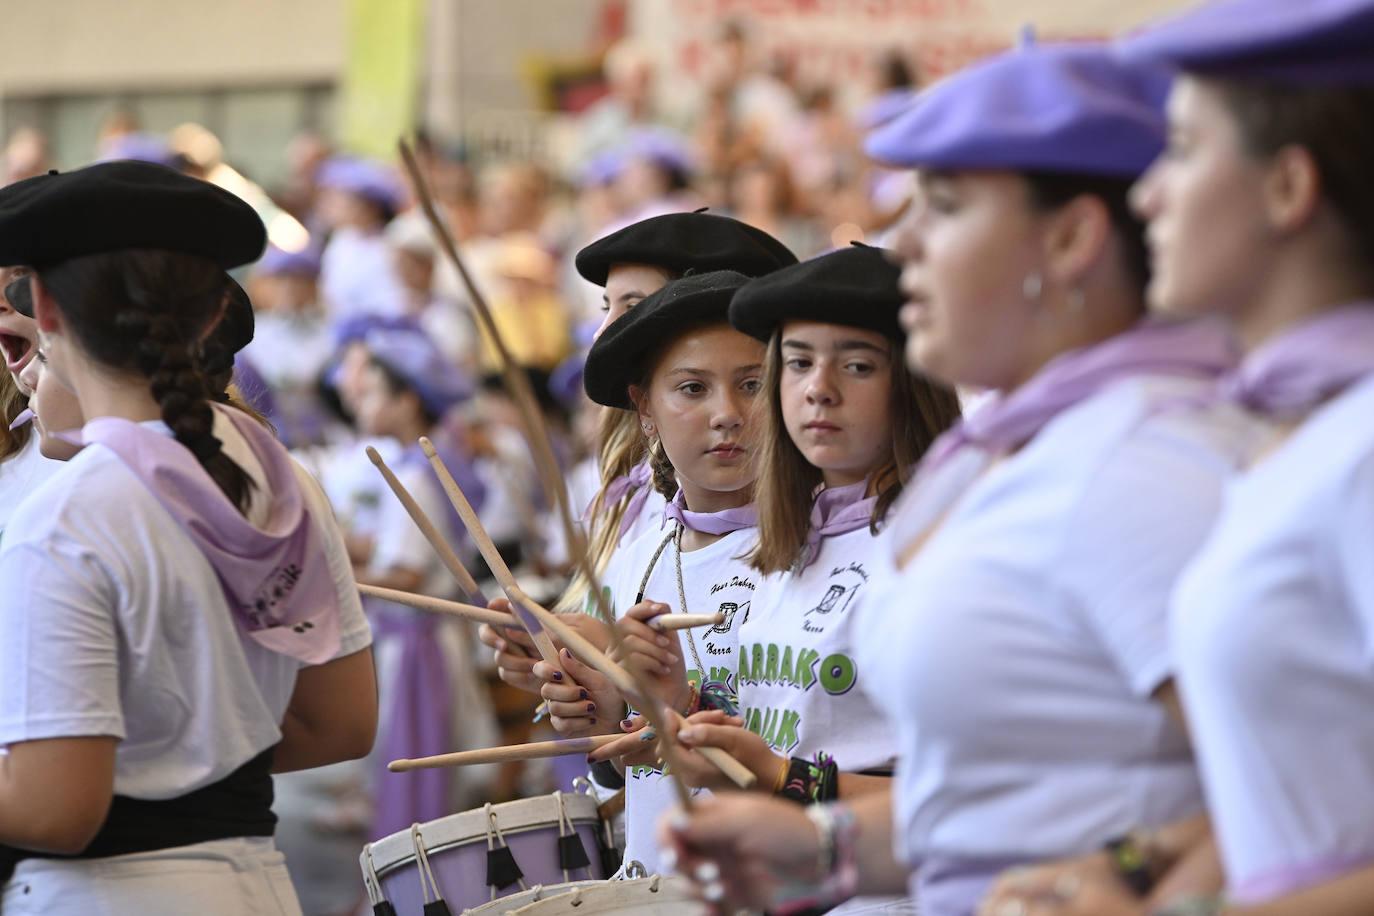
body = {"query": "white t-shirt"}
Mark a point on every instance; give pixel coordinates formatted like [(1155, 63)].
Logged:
[(19, 475), (398, 541), (714, 578), (1020, 647), (1273, 627), (799, 684), (115, 624), (290, 350), (357, 276)]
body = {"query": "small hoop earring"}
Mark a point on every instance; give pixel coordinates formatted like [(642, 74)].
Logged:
[(1032, 287)]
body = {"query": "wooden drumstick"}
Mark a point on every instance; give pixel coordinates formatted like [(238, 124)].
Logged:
[(440, 606), (428, 529), (577, 644), (665, 623), (534, 751), (532, 623)]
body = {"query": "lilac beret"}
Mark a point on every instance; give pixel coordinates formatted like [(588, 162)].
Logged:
[(1072, 108), (412, 356), (1298, 42), (367, 179), (140, 147), (277, 262)]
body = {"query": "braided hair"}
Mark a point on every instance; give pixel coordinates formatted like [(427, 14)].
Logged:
[(146, 311)]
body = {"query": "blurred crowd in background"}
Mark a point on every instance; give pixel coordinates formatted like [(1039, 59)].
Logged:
[(365, 335)]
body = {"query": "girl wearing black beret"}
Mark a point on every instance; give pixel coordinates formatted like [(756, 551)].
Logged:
[(630, 264), (843, 424), (180, 615), (675, 363)]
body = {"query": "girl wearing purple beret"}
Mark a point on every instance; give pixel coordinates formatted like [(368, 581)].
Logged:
[(1023, 653), (1262, 210)]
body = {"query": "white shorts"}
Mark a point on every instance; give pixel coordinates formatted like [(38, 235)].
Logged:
[(219, 878)]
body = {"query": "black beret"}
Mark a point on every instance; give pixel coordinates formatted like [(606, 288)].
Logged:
[(855, 286), (235, 329), (616, 359), (124, 204), (680, 242)]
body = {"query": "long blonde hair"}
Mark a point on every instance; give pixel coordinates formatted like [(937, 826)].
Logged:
[(920, 411), (12, 404), (621, 449)]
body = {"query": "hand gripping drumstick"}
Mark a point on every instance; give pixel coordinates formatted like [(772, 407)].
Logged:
[(623, 680), (519, 386), (427, 528), (533, 751), (440, 606)]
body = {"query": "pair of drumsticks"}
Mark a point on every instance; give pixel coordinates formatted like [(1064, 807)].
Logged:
[(538, 621)]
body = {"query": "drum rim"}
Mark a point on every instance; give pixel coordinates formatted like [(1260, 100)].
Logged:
[(460, 828)]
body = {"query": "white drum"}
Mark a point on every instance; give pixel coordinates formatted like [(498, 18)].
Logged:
[(654, 896)]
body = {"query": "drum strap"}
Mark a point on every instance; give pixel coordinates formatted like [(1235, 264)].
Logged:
[(572, 855), (502, 869), (239, 805)]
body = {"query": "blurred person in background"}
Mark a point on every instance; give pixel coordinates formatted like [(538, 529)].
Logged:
[(292, 343), (357, 200)]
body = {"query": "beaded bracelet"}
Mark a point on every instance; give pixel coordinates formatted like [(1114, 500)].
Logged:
[(837, 866)]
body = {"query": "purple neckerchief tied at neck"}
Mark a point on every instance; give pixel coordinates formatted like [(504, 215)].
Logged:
[(1203, 350), (24, 416), (837, 510), (638, 484), (725, 521), (1200, 349), (1304, 366), (276, 579)]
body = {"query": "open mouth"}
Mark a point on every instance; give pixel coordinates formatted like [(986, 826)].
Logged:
[(18, 350)]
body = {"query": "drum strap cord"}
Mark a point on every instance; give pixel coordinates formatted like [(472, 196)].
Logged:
[(502, 869), (437, 906), (572, 855), (375, 896)]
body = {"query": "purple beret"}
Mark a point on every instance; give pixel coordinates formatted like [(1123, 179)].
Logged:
[(1072, 108), (141, 148), (1302, 42), (367, 179), (277, 262), (412, 356)]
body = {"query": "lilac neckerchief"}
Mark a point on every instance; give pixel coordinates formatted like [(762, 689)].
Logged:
[(725, 521), (276, 579), (837, 510), (1200, 349), (1301, 368), (637, 483), (24, 416), (1203, 350)]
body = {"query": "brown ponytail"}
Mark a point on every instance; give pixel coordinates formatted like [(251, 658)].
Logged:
[(146, 311)]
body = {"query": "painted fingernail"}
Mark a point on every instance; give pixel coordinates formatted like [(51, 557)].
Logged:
[(648, 735), (591, 707), (558, 675), (627, 724), (707, 873), (582, 695)]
